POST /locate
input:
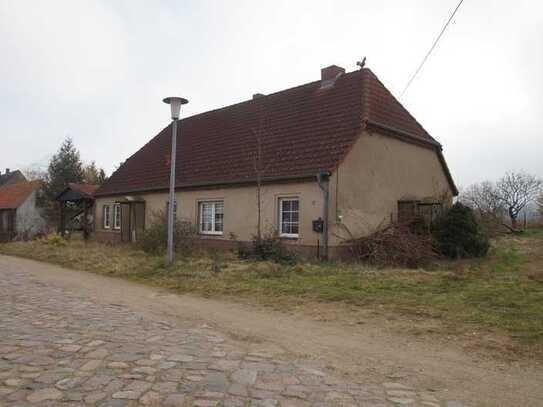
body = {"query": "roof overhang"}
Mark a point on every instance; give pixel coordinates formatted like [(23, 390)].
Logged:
[(219, 184), (129, 199)]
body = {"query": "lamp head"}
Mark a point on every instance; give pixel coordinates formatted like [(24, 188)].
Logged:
[(175, 105)]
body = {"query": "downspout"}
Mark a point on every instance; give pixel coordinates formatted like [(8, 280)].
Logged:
[(326, 198)]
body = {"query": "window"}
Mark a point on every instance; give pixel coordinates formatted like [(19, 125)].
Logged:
[(408, 211), (105, 213), (429, 212), (289, 217), (211, 217), (117, 216)]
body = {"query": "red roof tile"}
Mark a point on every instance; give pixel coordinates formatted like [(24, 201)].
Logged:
[(303, 130), (13, 195), (84, 189)]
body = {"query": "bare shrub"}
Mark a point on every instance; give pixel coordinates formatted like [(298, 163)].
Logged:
[(53, 239), (267, 247), (155, 238), (395, 245), (216, 266)]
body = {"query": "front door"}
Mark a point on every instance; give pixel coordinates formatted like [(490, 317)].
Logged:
[(125, 222), (132, 221)]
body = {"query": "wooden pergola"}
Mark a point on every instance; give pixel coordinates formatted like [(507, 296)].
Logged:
[(78, 199)]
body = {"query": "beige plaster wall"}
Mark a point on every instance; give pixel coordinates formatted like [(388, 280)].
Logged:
[(376, 173), (240, 208)]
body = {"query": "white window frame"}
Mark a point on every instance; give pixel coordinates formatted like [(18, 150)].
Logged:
[(281, 200), (117, 216), (200, 217), (106, 215)]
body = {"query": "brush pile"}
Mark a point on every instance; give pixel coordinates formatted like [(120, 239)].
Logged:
[(395, 245)]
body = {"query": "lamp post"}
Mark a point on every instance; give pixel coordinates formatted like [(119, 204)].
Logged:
[(175, 105)]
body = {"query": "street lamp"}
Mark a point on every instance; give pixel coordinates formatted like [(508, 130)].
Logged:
[(175, 105)]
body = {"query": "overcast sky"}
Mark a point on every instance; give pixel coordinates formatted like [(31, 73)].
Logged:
[(98, 70)]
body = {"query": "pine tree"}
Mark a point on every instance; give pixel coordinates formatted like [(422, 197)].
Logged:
[(65, 166), (93, 175)]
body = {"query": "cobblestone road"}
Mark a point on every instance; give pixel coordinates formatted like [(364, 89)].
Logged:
[(57, 348)]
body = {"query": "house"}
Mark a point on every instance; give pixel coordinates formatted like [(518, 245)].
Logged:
[(340, 150), (11, 177), (19, 215)]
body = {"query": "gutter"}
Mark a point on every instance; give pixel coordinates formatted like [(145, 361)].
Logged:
[(324, 186), (203, 184), (405, 134)]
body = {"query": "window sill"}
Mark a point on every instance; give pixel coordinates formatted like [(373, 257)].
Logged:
[(289, 237), (211, 234)]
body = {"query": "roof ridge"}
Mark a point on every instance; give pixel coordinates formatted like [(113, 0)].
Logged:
[(263, 97)]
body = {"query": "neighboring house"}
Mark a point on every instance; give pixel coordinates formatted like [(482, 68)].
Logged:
[(11, 177), (376, 161), (19, 216)]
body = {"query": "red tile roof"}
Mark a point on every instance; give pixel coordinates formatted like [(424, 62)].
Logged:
[(13, 195), (84, 189), (303, 130)]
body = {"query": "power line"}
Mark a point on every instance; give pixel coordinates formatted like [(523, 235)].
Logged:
[(432, 48)]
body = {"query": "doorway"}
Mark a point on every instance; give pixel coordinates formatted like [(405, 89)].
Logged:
[(132, 220)]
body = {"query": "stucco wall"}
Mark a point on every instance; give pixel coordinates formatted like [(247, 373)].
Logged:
[(28, 220), (240, 209), (377, 173)]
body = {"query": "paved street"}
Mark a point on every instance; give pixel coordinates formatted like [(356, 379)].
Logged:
[(60, 348)]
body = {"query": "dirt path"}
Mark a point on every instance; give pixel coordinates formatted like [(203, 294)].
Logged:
[(370, 350)]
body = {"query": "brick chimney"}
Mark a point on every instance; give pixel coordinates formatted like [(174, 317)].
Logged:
[(258, 95), (331, 73)]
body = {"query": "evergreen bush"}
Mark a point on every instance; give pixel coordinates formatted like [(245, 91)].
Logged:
[(457, 234)]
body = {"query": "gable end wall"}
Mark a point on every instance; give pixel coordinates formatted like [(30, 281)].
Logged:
[(377, 173)]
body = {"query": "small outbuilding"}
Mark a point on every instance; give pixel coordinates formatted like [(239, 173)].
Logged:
[(76, 202)]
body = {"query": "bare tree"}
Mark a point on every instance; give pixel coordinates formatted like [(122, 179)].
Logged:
[(484, 198), (485, 202), (539, 203), (34, 173), (259, 167), (516, 190)]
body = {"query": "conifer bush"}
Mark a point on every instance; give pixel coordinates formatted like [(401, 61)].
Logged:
[(457, 234)]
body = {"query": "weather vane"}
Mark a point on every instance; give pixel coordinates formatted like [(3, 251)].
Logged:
[(361, 63)]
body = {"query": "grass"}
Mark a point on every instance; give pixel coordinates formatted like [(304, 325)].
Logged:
[(503, 292)]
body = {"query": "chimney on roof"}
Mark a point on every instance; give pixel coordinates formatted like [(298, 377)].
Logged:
[(7, 171), (258, 95), (331, 73)]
